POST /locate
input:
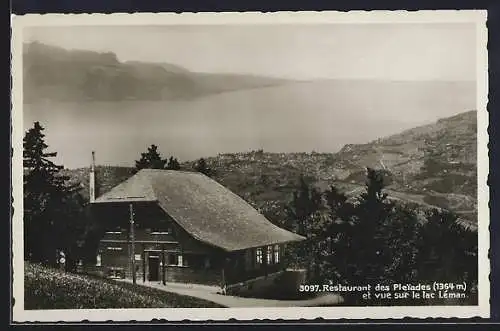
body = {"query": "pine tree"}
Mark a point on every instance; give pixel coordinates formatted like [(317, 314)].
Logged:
[(402, 229), (151, 159), (446, 249), (338, 237), (305, 202), (306, 218), (370, 251), (50, 209), (173, 164)]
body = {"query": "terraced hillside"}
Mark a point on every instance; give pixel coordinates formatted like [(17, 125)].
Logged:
[(433, 166), (436, 163)]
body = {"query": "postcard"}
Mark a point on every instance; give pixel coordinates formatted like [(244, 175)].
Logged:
[(215, 166)]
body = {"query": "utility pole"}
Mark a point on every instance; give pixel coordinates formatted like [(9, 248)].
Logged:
[(132, 239), (92, 179), (163, 268)]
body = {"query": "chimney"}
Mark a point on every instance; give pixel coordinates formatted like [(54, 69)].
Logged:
[(92, 179)]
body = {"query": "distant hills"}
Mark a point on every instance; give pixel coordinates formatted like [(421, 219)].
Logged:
[(58, 74), (430, 166)]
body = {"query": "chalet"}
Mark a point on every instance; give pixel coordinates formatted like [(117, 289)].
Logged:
[(177, 226)]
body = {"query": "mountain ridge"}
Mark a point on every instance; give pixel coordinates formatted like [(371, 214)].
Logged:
[(55, 73)]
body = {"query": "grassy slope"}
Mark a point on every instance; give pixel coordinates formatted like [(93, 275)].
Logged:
[(46, 288), (267, 180)]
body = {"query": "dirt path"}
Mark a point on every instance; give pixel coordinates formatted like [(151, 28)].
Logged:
[(210, 293)]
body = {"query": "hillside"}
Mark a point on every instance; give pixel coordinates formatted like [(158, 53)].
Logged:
[(47, 288), (58, 74), (448, 180), (267, 180), (437, 161)]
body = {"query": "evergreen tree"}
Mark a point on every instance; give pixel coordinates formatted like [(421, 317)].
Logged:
[(173, 164), (375, 241), (305, 202), (317, 248), (51, 209), (305, 217), (446, 250), (151, 159), (201, 166), (402, 228), (369, 247), (337, 263)]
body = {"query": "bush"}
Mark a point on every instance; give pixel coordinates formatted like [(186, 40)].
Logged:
[(47, 288)]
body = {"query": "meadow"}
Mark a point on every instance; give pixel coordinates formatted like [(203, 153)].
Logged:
[(47, 288)]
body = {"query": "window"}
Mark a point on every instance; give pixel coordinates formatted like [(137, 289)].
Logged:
[(137, 257), (276, 254), (161, 231), (115, 230), (175, 259), (172, 259), (259, 256), (98, 260), (269, 258)]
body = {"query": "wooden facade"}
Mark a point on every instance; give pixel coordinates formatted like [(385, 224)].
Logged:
[(165, 252)]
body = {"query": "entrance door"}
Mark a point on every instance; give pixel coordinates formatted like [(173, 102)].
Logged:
[(154, 268)]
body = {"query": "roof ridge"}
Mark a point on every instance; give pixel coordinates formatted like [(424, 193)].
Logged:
[(171, 171), (129, 180)]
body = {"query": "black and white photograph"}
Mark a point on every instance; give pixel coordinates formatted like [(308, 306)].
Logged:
[(289, 165)]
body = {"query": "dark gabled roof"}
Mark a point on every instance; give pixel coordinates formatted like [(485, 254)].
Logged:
[(205, 209)]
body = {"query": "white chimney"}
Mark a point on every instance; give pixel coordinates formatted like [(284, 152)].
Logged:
[(92, 179)]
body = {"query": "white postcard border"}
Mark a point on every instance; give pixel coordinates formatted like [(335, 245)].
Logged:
[(218, 314)]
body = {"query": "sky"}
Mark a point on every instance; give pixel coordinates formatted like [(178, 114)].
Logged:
[(410, 51), (328, 115)]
